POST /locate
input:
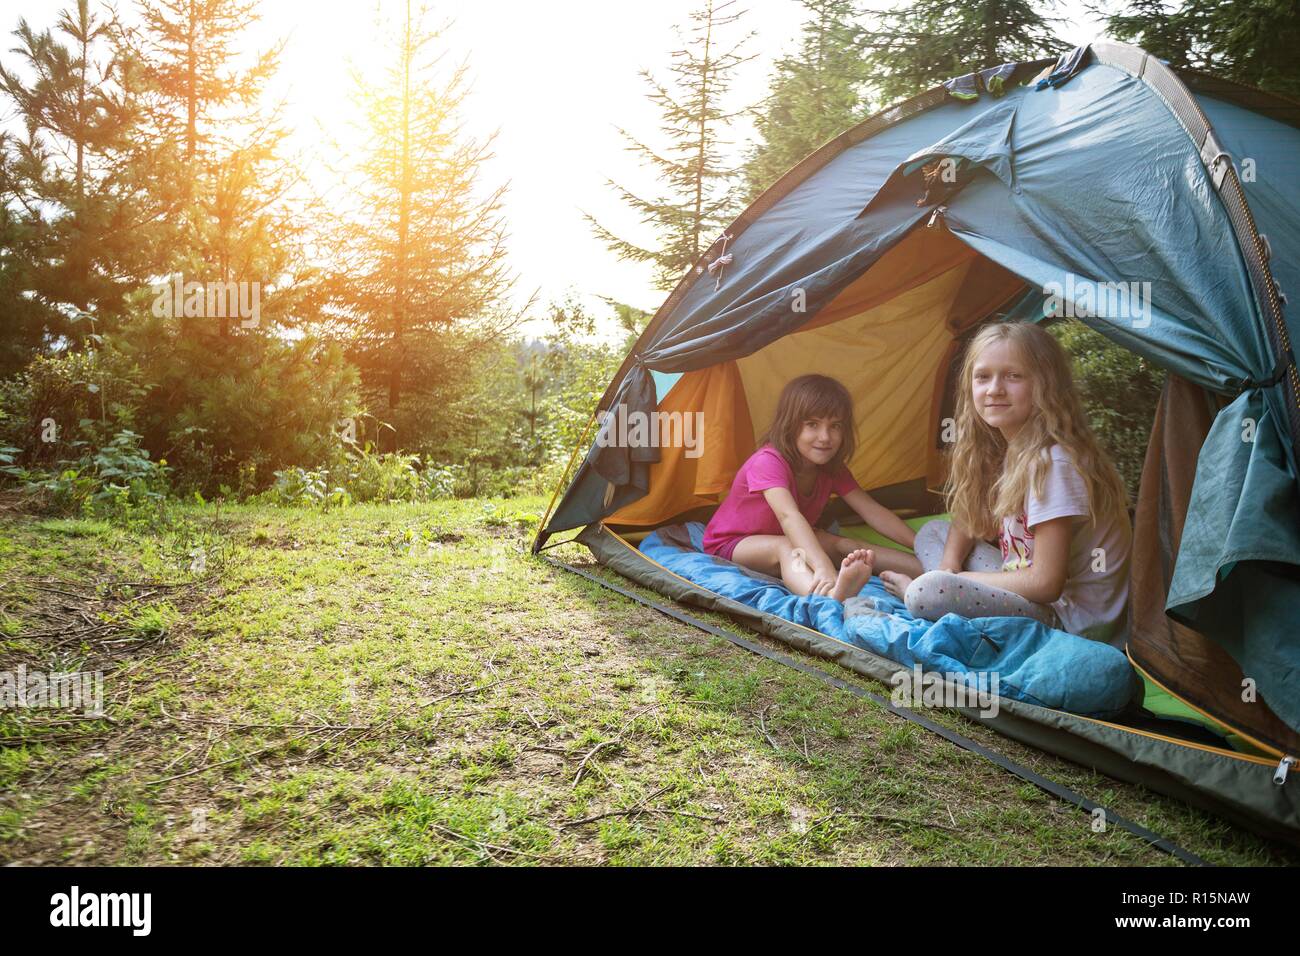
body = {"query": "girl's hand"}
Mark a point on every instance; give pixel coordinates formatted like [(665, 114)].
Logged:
[(823, 581)]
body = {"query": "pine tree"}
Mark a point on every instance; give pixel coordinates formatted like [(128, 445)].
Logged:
[(234, 224), (421, 255), (630, 319), (25, 322), (76, 186), (815, 95), (192, 48), (926, 42), (696, 203), (1250, 41)]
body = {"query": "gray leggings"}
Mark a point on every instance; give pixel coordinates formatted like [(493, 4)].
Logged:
[(937, 593)]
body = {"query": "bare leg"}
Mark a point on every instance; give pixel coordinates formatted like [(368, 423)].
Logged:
[(839, 547), (773, 554)]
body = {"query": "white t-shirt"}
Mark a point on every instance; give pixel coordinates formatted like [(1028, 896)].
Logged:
[(1096, 585)]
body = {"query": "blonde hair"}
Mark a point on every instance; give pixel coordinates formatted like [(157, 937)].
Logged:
[(805, 397), (989, 478)]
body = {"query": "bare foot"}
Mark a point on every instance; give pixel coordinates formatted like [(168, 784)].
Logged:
[(855, 571), (895, 583)]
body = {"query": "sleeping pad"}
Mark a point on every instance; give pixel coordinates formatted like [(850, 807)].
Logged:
[(1027, 660)]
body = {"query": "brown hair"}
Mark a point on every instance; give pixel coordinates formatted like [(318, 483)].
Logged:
[(811, 396)]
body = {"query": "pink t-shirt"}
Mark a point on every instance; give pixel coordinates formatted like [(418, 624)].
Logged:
[(746, 511)]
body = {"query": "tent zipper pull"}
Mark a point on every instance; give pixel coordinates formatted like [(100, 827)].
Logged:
[(934, 216), (1279, 775)]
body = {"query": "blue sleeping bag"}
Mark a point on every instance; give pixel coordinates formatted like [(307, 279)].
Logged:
[(1032, 662)]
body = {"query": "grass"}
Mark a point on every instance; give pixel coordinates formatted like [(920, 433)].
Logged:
[(406, 685)]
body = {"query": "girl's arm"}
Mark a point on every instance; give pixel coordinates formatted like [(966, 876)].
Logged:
[(956, 549), (797, 529), (1044, 580), (879, 518)]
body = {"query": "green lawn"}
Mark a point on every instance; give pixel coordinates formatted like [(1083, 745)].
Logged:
[(404, 684)]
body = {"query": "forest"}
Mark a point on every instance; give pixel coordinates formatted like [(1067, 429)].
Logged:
[(182, 314)]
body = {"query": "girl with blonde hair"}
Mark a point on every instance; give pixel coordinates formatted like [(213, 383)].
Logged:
[(1026, 469)]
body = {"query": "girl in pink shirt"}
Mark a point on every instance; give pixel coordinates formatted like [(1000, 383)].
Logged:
[(778, 495)]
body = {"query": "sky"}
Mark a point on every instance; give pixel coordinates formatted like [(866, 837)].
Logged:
[(554, 80)]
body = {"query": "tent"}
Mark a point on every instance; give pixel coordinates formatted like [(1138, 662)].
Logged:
[(1159, 206)]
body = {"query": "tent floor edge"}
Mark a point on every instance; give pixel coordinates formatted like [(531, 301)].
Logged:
[(1240, 793)]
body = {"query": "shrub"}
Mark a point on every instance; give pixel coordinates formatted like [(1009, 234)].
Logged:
[(117, 481), (1120, 391)]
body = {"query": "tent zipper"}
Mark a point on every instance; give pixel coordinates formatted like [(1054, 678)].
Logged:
[(1267, 749), (1279, 776), (936, 215)]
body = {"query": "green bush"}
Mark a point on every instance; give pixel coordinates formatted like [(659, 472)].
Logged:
[(118, 481), (61, 404), (1120, 391), (231, 411)]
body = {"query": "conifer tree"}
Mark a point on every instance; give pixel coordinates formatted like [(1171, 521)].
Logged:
[(814, 95), (696, 201), (192, 49), (1249, 41), (421, 267), (76, 184), (926, 42), (208, 106)]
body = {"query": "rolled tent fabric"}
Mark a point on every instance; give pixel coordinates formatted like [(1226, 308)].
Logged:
[(688, 478), (1179, 657)]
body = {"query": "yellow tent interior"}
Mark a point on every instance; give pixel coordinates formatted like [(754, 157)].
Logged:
[(917, 301)]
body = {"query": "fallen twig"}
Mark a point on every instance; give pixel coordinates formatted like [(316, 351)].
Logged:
[(468, 690), (219, 763), (639, 808), (762, 725), (883, 818), (232, 723), (618, 739), (485, 846)]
